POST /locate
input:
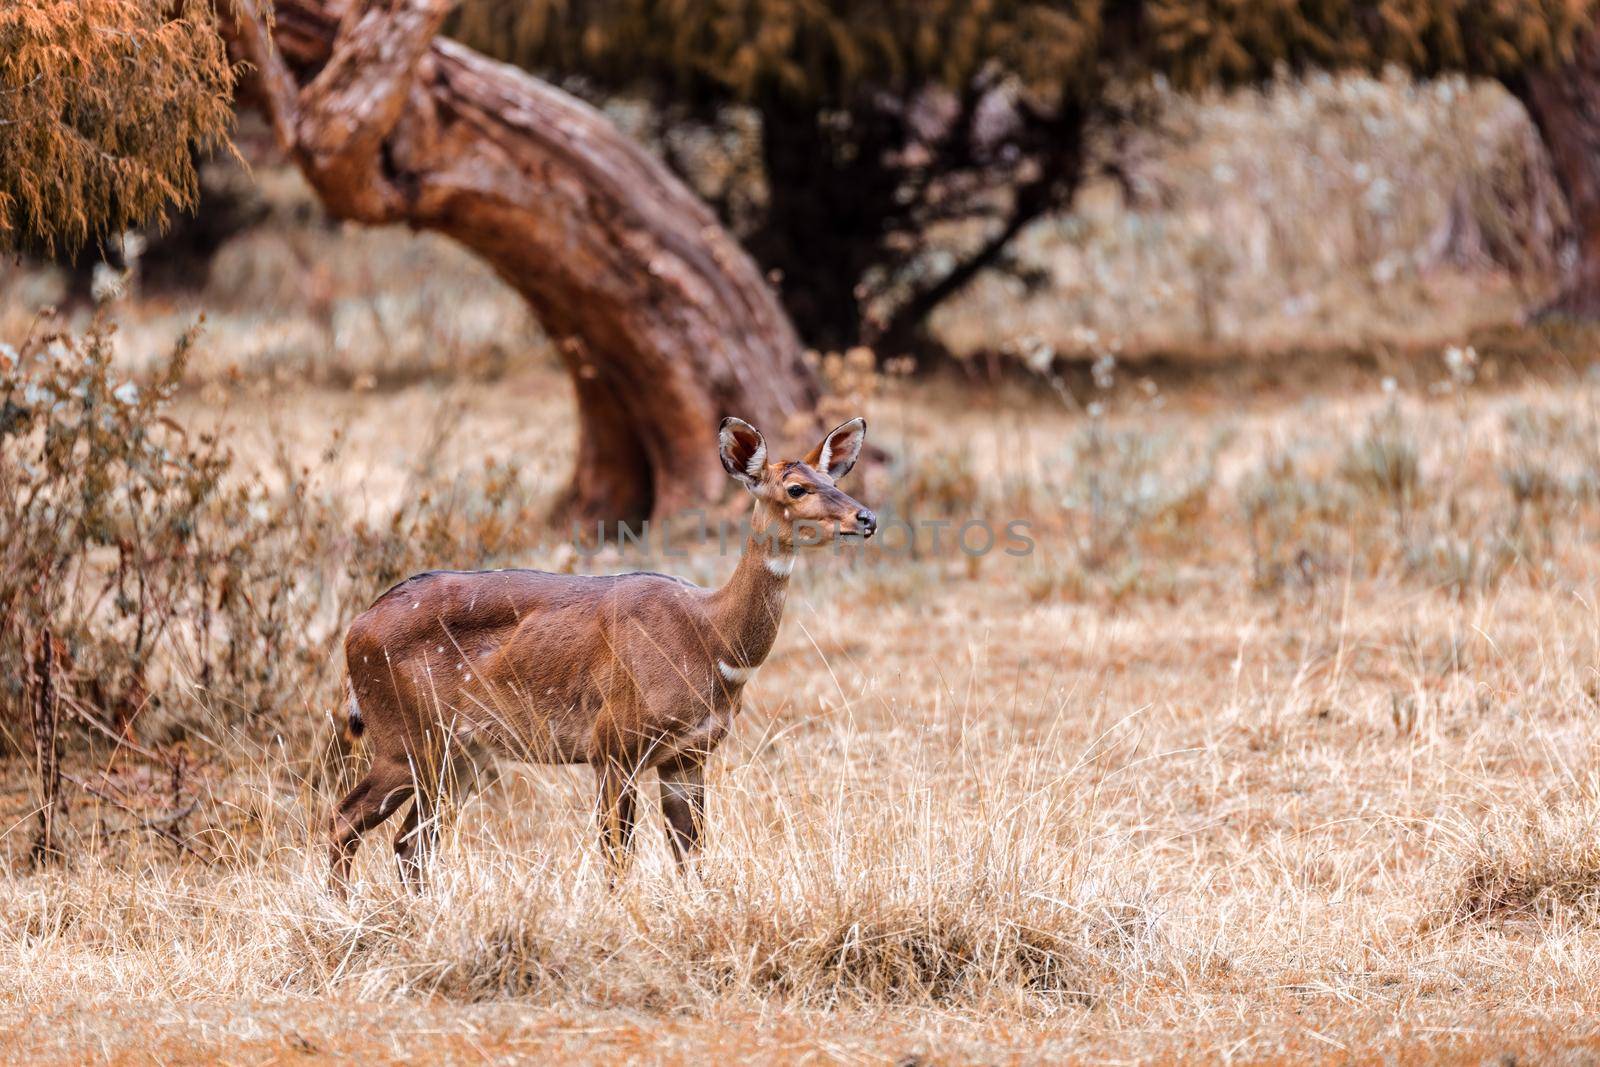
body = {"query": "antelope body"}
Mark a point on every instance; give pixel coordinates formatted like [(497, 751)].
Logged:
[(627, 673)]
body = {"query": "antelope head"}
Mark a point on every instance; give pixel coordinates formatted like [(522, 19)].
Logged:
[(800, 492)]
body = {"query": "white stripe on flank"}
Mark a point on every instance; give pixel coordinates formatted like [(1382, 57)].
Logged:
[(781, 565), (736, 675)]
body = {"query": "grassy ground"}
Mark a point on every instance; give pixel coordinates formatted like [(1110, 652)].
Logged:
[(1281, 742), (1165, 786)]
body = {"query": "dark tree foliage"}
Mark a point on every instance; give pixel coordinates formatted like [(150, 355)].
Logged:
[(883, 119), (1197, 43)]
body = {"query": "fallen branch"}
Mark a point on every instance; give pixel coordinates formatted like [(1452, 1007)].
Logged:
[(90, 719), (159, 822), (161, 826)]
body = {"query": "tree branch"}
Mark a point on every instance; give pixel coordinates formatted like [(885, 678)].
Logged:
[(337, 125), (353, 104), (1059, 174), (279, 91), (161, 826), (668, 318)]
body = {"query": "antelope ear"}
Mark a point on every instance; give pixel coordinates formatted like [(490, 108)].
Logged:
[(838, 451), (743, 451)]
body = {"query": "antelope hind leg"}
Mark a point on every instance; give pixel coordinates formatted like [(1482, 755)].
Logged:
[(683, 804)]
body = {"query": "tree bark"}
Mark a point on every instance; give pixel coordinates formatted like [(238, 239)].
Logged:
[(664, 323), (1564, 103), (46, 747)]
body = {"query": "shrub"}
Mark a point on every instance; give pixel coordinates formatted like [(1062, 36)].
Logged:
[(1385, 463), (124, 536)]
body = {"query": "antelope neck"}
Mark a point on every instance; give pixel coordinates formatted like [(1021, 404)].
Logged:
[(750, 606)]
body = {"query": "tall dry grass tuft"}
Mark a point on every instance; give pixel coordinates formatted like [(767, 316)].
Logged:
[(1538, 864)]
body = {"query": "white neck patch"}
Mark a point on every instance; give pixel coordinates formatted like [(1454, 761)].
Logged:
[(780, 566), (736, 675)]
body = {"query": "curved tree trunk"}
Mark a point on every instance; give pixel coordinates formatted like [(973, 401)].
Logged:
[(663, 321), (1564, 103)]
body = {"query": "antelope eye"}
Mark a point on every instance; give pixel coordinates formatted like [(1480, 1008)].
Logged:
[(797, 491)]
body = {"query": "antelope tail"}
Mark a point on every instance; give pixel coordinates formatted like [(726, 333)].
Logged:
[(353, 725)]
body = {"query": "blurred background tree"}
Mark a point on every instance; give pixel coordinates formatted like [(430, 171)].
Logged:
[(1542, 51), (880, 123), (903, 146), (665, 324), (905, 143)]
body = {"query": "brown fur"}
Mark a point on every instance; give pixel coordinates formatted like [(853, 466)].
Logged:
[(626, 673)]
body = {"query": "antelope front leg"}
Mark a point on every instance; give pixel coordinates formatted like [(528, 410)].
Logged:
[(683, 803), (376, 797), (617, 801)]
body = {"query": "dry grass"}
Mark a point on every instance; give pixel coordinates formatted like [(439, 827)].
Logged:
[(1153, 800), (1280, 744)]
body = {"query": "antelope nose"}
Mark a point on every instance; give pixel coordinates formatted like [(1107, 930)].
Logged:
[(866, 522)]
